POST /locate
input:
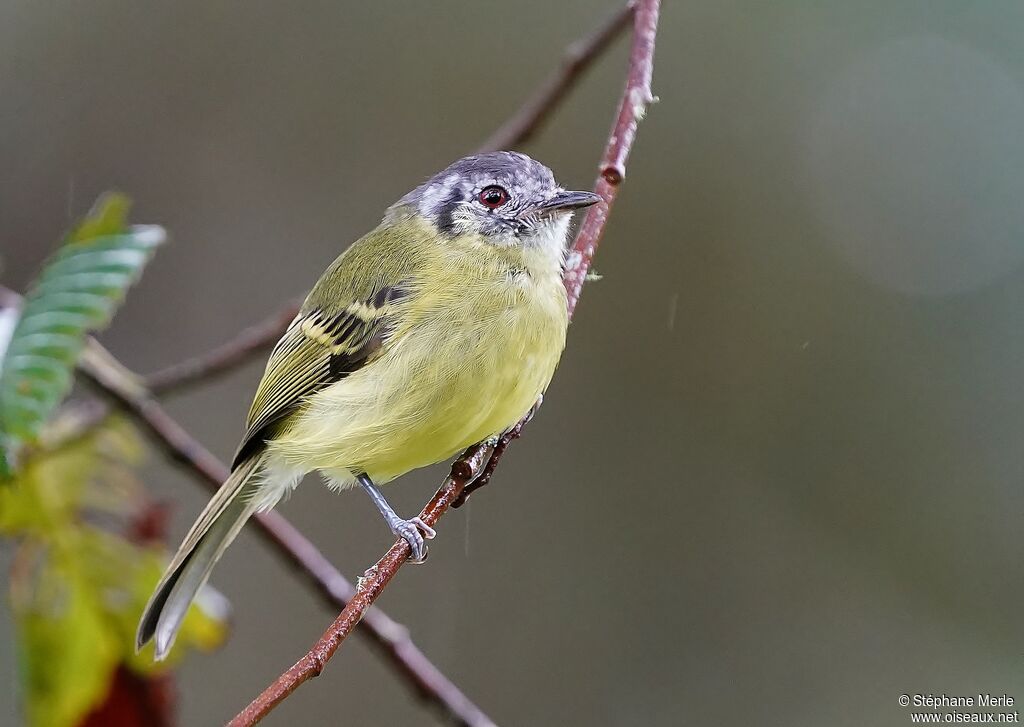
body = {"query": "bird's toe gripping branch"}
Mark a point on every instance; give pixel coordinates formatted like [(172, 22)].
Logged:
[(413, 531)]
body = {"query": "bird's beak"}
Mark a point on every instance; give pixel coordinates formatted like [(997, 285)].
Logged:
[(565, 201)]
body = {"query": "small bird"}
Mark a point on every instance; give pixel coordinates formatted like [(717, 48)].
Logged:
[(439, 329)]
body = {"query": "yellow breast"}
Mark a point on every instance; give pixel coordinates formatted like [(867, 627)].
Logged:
[(477, 349)]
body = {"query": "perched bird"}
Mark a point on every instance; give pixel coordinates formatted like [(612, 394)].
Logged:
[(437, 330)]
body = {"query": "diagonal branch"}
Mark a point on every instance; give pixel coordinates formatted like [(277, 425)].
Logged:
[(475, 461)]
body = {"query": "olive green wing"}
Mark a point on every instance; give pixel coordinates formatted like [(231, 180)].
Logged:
[(318, 349), (359, 304)]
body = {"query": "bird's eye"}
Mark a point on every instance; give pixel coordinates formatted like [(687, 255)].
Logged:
[(493, 197)]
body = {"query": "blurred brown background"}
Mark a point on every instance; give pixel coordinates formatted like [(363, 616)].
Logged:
[(777, 479)]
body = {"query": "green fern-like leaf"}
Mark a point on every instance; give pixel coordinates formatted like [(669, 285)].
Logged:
[(77, 292)]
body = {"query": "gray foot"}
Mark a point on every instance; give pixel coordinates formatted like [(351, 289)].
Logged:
[(414, 531)]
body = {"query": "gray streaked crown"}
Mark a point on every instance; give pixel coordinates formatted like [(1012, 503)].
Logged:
[(450, 199)]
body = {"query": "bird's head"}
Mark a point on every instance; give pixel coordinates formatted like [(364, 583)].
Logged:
[(504, 197)]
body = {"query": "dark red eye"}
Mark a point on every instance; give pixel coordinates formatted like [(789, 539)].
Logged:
[(493, 197)]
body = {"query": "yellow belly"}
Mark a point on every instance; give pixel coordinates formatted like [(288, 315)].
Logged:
[(469, 370)]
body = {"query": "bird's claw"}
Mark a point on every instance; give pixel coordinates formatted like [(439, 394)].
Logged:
[(414, 531)]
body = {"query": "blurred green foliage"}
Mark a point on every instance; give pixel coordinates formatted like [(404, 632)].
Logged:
[(88, 551), (77, 292), (78, 587)]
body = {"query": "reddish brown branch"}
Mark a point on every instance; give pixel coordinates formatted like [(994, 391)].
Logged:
[(635, 100), (477, 460), (371, 585), (481, 480)]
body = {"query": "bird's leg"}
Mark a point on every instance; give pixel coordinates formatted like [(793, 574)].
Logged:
[(413, 531)]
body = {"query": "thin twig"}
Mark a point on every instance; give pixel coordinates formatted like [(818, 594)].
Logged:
[(475, 461), (500, 446), (636, 97), (225, 357), (577, 58)]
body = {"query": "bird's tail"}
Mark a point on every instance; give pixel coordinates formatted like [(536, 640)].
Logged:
[(205, 543)]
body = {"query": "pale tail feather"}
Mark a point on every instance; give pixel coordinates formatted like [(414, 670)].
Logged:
[(190, 568)]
